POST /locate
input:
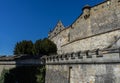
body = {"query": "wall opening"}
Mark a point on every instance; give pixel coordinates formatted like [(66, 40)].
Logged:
[(69, 80)]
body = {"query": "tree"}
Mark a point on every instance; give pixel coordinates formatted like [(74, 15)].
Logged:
[(45, 46), (40, 47), (24, 47)]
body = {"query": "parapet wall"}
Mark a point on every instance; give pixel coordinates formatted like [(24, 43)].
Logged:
[(96, 66), (86, 57)]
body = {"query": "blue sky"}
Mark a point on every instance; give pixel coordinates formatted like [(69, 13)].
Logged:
[(32, 19)]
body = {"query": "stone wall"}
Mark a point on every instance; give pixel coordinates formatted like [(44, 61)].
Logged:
[(61, 39), (6, 65), (99, 19), (99, 41), (56, 74), (100, 66), (89, 49), (83, 73), (58, 28)]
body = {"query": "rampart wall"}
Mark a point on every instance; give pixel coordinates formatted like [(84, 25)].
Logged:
[(10, 62), (89, 49), (97, 66), (97, 20)]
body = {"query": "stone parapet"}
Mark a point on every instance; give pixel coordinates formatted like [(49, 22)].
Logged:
[(86, 57)]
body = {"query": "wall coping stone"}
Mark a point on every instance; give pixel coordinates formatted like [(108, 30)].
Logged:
[(109, 55)]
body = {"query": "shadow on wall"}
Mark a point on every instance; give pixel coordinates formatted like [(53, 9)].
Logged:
[(24, 74)]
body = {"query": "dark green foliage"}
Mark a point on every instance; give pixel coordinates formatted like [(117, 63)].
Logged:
[(29, 74), (45, 47), (41, 47), (24, 47), (37, 47)]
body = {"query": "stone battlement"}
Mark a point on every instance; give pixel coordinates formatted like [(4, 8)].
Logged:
[(90, 56)]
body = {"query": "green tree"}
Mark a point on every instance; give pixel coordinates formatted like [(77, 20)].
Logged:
[(41, 47), (45, 46), (24, 47)]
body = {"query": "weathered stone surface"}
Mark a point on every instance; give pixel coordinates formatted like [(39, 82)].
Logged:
[(99, 41), (86, 73), (96, 28), (103, 19), (56, 74)]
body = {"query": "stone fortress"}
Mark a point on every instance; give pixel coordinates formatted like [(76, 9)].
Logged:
[(99, 24), (88, 49)]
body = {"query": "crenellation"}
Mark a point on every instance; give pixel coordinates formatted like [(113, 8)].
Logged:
[(102, 69), (79, 55), (98, 55)]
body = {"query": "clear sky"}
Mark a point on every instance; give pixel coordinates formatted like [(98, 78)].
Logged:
[(32, 19)]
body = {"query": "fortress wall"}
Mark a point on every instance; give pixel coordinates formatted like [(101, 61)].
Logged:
[(103, 18), (57, 74), (61, 39), (83, 73), (102, 67), (80, 28), (98, 31), (100, 41)]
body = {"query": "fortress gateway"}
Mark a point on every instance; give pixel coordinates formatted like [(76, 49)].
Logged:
[(89, 49)]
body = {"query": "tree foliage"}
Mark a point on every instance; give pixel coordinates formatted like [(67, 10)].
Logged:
[(40, 47), (24, 47), (45, 46)]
